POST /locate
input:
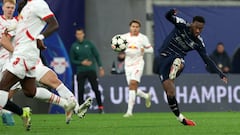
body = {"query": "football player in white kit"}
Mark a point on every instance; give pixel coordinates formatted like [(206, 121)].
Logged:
[(33, 18), (7, 21), (138, 44), (46, 76)]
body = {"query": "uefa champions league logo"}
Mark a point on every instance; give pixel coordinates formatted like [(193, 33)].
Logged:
[(90, 93), (59, 64)]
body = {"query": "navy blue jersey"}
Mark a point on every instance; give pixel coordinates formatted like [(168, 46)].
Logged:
[(181, 40)]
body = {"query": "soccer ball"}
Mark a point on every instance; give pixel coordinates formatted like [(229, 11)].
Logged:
[(119, 43)]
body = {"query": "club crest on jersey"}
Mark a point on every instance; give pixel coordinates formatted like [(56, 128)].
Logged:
[(132, 46), (59, 64)]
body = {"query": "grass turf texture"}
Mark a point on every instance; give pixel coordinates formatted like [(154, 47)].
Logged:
[(208, 123)]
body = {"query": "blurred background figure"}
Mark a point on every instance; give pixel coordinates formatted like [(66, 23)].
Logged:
[(235, 61), (118, 64), (85, 56), (221, 59)]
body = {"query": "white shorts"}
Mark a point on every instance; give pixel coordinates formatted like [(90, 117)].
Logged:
[(134, 73), (41, 70), (22, 67)]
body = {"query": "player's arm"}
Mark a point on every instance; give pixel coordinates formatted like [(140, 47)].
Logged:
[(44, 13), (6, 42), (171, 16), (146, 45), (207, 60), (52, 26)]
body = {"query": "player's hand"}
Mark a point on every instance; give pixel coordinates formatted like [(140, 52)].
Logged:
[(142, 51), (101, 72), (5, 39), (40, 45), (113, 47), (86, 62), (225, 80), (174, 11)]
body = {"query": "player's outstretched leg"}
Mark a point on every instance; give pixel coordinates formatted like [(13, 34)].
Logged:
[(84, 107), (146, 96), (47, 96)]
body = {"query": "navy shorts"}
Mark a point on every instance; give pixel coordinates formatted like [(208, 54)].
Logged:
[(162, 66)]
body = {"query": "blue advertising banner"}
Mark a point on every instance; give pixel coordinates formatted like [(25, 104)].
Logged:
[(221, 26)]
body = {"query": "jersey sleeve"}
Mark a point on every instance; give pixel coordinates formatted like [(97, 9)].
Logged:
[(147, 45), (170, 15), (145, 42), (207, 60), (43, 11)]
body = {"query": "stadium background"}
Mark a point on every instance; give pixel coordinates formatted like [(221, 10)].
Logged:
[(103, 19)]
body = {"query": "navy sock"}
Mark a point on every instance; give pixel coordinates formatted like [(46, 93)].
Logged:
[(13, 108), (172, 102)]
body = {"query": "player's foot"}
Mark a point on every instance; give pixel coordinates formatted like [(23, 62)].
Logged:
[(188, 122), (127, 115), (26, 117), (100, 110), (84, 107), (68, 116), (148, 101), (7, 119), (69, 110), (175, 68), (70, 105)]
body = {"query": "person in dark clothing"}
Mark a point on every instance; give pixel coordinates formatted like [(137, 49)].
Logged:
[(185, 37), (221, 59), (235, 62), (86, 57), (118, 64)]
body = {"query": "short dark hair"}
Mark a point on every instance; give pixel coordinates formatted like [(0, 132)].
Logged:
[(220, 43), (135, 21), (198, 19), (80, 29)]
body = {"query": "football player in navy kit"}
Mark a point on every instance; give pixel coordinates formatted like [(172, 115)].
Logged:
[(185, 37)]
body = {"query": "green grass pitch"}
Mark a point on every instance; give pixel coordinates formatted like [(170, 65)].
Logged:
[(208, 123)]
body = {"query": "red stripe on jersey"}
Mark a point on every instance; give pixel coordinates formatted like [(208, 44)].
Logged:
[(29, 35), (48, 16), (25, 65), (16, 18), (3, 17)]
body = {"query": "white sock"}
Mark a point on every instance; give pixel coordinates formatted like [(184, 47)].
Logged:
[(3, 98), (180, 117), (64, 92), (49, 97), (141, 94), (131, 101)]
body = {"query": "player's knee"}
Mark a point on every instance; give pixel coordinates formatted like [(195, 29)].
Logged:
[(29, 93)]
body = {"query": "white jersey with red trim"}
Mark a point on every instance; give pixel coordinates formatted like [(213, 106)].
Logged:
[(31, 23), (6, 24), (134, 55)]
